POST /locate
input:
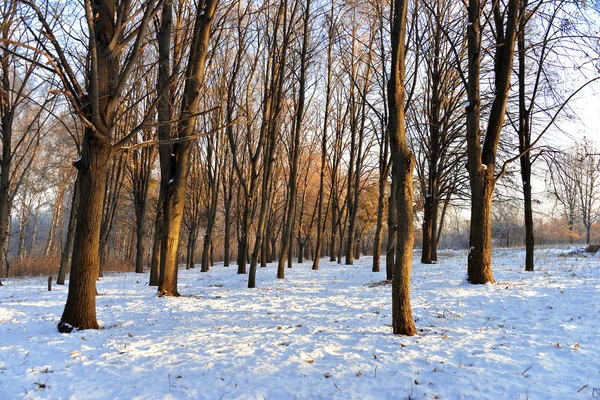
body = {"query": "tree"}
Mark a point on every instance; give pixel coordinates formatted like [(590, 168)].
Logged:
[(272, 106), (383, 138), (438, 133), (174, 199), (322, 216), (482, 158), (20, 101), (164, 116), (574, 182), (287, 235), (559, 24), (140, 171), (402, 170), (97, 105)]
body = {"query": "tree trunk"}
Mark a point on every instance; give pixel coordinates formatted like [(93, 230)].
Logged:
[(54, 224), (80, 309), (172, 217), (404, 162), (164, 113), (482, 159), (7, 113), (64, 258), (23, 224), (264, 252), (175, 193), (227, 222), (156, 242), (434, 230), (245, 239), (191, 253), (525, 143), (140, 249), (300, 251), (427, 229), (390, 254), (212, 215), (480, 237), (379, 228), (320, 217)]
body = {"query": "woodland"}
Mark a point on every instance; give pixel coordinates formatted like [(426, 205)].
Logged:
[(149, 135)]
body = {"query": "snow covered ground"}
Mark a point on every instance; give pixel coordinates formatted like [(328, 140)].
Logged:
[(317, 334)]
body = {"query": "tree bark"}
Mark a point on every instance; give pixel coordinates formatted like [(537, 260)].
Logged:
[(174, 200), (271, 112), (213, 177), (525, 143), (404, 162), (480, 235), (80, 309), (64, 258), (164, 113), (56, 216), (296, 132), (390, 255), (481, 159)]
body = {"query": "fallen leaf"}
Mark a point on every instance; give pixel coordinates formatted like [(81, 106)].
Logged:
[(75, 354), (327, 375), (310, 361), (375, 356), (359, 373)]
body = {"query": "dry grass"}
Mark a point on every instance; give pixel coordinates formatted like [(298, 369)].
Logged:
[(46, 266), (119, 266), (34, 266)]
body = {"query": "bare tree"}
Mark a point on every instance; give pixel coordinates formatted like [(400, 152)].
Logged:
[(112, 28), (402, 171), (287, 234), (174, 199), (482, 158)]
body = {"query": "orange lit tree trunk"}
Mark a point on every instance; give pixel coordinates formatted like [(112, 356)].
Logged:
[(402, 171), (174, 200), (164, 114)]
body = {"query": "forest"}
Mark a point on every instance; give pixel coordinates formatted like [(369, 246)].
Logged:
[(274, 145)]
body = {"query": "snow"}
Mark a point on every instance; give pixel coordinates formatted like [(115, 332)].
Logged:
[(317, 334)]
